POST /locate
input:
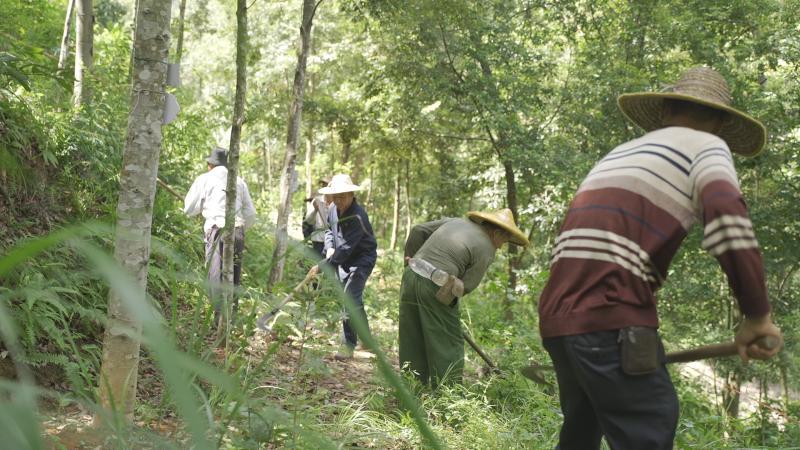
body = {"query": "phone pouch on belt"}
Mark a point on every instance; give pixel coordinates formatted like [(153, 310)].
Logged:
[(639, 350)]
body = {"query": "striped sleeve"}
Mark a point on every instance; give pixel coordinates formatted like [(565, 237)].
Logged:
[(728, 233)]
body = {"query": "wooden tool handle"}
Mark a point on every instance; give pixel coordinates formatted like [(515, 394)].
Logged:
[(262, 321), (169, 189), (478, 350), (717, 350)]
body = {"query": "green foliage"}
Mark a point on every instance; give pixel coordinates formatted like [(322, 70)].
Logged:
[(443, 95)]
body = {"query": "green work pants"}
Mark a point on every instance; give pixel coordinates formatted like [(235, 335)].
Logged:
[(431, 341)]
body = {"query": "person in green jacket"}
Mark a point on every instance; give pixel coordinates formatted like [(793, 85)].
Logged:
[(455, 253)]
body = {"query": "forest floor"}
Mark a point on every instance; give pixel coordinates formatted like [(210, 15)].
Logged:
[(302, 374)]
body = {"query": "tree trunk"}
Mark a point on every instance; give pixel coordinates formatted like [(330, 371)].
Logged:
[(501, 147), (511, 198), (118, 372), (84, 53), (345, 151), (64, 53), (358, 162), (730, 394), (396, 212), (763, 408), (332, 149), (179, 47), (233, 160), (409, 212), (295, 117), (785, 385), (368, 202), (268, 165), (309, 161), (310, 147)]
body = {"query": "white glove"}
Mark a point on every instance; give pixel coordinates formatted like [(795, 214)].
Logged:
[(329, 253)]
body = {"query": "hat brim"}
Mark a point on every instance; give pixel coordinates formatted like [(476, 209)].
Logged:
[(743, 134), (330, 190), (517, 236), (215, 161)]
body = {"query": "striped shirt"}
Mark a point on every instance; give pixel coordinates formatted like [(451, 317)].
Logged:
[(626, 223)]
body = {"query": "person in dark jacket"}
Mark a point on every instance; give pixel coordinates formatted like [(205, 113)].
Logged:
[(351, 249)]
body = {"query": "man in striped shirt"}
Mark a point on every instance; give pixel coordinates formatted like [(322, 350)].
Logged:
[(623, 228)]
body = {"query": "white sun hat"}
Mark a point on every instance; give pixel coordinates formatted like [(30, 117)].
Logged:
[(339, 184)]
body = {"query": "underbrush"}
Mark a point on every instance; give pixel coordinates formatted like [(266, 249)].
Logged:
[(282, 388)]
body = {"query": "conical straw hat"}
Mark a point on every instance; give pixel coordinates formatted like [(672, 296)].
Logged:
[(340, 183), (704, 86), (503, 219)]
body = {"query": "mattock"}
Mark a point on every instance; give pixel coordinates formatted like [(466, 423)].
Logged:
[(721, 350)]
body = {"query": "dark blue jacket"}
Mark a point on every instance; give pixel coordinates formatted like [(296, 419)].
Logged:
[(352, 238)]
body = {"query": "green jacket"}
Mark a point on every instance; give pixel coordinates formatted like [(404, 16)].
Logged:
[(460, 247)]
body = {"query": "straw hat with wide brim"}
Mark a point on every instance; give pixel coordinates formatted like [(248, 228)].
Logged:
[(503, 219), (340, 183), (704, 86)]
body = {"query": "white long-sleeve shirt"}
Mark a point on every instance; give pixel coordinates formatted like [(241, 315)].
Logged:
[(207, 196)]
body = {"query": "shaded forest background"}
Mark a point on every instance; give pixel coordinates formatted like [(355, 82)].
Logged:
[(435, 108)]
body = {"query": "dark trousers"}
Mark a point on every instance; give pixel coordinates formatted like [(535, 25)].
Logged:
[(214, 251), (431, 342), (598, 399), (354, 281)]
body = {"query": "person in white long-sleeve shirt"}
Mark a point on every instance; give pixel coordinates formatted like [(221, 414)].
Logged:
[(207, 197)]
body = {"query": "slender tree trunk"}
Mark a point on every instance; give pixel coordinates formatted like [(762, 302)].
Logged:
[(731, 393), (501, 148), (785, 385), (511, 198), (396, 213), (84, 53), (233, 159), (409, 212), (179, 47), (268, 165), (332, 149), (309, 161), (358, 164), (295, 118), (310, 148), (763, 407), (369, 188), (382, 227), (64, 52), (118, 372), (345, 151), (259, 171)]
